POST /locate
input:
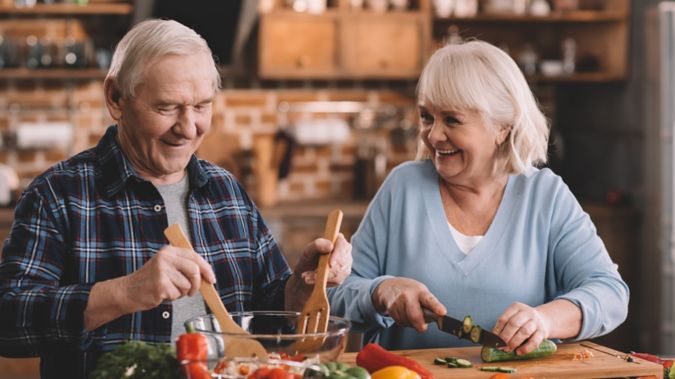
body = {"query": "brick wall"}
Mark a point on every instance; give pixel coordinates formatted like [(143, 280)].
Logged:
[(240, 117)]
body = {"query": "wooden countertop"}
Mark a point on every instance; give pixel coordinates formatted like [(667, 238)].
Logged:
[(605, 363)]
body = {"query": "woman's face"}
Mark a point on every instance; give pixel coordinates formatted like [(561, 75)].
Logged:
[(463, 148)]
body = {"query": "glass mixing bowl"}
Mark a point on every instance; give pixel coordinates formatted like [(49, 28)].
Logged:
[(275, 330)]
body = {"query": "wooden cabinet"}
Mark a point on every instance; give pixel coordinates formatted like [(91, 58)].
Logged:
[(389, 46), (599, 29), (296, 45), (344, 43)]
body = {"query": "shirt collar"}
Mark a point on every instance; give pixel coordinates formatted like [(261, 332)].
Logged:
[(117, 170)]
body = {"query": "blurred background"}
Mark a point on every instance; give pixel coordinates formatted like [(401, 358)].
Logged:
[(318, 105)]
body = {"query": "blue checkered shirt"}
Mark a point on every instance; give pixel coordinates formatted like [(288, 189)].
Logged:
[(92, 218)]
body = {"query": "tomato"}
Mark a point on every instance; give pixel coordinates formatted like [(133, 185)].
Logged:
[(196, 370), (260, 373), (267, 373), (279, 373)]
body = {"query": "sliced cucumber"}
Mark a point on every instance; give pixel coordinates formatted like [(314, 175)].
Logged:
[(467, 324), (463, 363), (475, 333), (490, 368), (504, 369), (440, 361)]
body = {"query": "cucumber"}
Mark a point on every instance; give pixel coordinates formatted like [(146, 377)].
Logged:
[(491, 354), (468, 323), (475, 333), (505, 370), (463, 363), (440, 361)]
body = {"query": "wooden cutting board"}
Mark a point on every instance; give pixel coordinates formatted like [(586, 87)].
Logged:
[(605, 363)]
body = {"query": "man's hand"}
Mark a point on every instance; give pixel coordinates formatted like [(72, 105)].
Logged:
[(340, 264), (403, 300), (170, 274), (299, 286)]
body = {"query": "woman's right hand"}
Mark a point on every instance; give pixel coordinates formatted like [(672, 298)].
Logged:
[(403, 298)]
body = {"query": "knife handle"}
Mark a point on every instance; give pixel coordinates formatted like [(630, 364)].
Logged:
[(429, 316)]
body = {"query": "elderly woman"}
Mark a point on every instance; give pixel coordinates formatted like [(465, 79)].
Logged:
[(474, 228)]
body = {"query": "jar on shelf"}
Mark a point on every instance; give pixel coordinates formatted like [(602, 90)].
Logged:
[(444, 8)]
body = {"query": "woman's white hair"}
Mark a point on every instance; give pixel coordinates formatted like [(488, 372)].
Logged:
[(481, 77), (147, 41)]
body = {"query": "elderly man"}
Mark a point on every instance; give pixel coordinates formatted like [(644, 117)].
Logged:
[(86, 266)]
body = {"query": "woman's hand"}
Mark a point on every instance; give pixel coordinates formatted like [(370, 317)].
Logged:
[(403, 299), (523, 328)]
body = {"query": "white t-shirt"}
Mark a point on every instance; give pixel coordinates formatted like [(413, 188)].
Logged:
[(464, 242)]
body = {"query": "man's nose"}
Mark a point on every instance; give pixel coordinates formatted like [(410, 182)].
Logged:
[(186, 125)]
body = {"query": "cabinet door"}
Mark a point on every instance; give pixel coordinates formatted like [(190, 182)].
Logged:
[(292, 46), (383, 47)]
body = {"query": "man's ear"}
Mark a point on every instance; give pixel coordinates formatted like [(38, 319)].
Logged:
[(113, 99)]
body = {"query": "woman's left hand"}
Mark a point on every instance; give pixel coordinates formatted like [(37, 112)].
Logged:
[(522, 327)]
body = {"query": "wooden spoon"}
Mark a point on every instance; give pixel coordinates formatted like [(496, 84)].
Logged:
[(234, 346), (316, 312)]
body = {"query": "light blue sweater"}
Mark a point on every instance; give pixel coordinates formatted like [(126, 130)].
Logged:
[(540, 246)]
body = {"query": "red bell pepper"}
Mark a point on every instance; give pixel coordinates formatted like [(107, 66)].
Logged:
[(192, 350), (374, 357)]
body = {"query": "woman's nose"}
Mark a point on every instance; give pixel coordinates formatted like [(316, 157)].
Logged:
[(437, 133)]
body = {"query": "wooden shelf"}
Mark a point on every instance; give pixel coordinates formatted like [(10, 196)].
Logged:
[(568, 17), (581, 77), (56, 73), (69, 9)]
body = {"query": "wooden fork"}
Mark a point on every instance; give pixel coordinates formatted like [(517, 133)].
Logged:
[(315, 313), (234, 346)]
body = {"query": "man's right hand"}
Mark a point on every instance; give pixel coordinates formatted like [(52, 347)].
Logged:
[(403, 298), (170, 274)]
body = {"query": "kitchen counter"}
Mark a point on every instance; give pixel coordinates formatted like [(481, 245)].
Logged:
[(605, 363)]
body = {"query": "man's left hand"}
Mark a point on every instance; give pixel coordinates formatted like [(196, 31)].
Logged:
[(340, 264)]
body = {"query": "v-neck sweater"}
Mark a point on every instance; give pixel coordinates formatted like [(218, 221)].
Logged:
[(540, 246)]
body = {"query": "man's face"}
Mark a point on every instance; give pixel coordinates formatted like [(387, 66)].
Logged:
[(162, 125)]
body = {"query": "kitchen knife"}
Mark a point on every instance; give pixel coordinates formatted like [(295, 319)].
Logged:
[(455, 327)]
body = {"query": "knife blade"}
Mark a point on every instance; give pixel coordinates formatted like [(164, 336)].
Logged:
[(455, 327)]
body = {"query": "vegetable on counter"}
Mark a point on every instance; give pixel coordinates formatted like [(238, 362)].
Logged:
[(668, 369), (395, 372), (453, 362), (503, 369), (374, 357), (336, 370), (491, 354), (136, 360)]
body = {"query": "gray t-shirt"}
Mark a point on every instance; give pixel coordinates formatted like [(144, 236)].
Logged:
[(175, 200)]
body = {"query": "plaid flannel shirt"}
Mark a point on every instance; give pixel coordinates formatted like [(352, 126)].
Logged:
[(91, 218)]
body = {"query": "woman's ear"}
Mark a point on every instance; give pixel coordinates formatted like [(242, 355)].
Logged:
[(113, 99), (503, 134)]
